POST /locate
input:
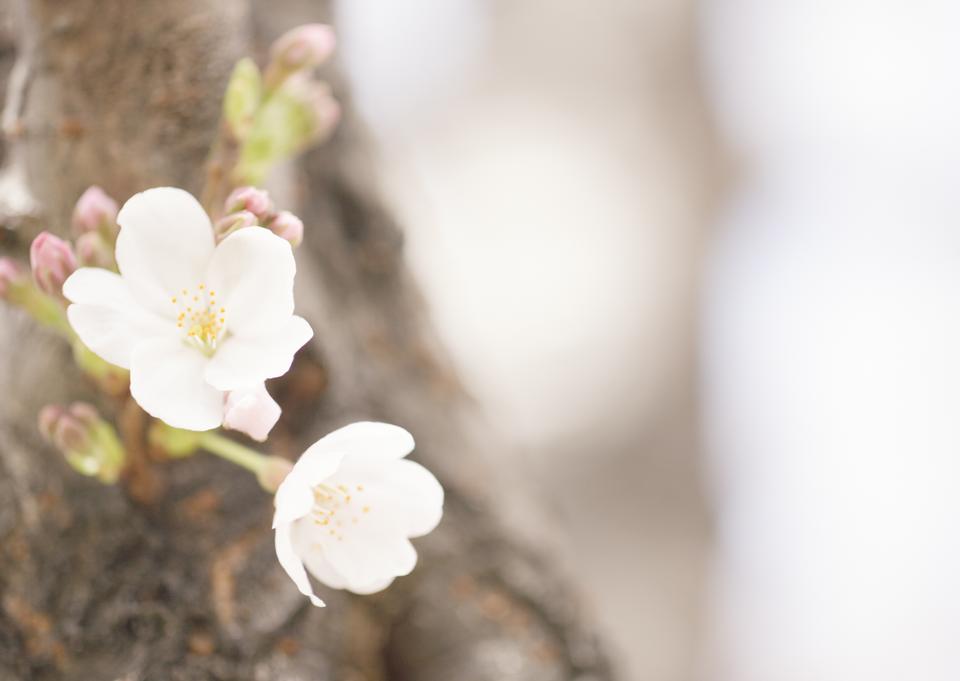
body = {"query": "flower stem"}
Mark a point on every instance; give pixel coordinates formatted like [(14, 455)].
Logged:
[(234, 452)]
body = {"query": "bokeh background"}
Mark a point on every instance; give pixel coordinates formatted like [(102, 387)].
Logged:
[(700, 264)]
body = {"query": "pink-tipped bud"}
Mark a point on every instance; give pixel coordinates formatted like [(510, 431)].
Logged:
[(287, 226), (303, 47), (95, 210), (257, 201), (47, 420), (52, 261), (326, 115), (318, 101), (229, 224), (72, 435), (85, 413), (12, 276), (88, 443), (94, 251)]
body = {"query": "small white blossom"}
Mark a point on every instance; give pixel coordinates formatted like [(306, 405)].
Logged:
[(349, 506), (191, 320)]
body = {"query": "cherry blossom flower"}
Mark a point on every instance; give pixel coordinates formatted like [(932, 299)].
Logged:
[(191, 319), (349, 506)]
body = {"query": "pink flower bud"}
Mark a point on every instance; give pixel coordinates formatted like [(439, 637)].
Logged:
[(95, 210), (251, 411), (94, 251), (47, 420), (303, 47), (12, 276), (71, 435), (52, 261), (85, 413), (232, 222), (326, 115), (323, 109), (287, 226), (257, 201), (88, 443)]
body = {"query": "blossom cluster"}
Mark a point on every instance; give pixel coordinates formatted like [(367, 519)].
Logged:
[(191, 314)]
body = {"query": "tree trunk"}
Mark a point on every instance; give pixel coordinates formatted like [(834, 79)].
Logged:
[(172, 574)]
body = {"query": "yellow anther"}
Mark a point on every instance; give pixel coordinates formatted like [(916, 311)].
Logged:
[(366, 509)]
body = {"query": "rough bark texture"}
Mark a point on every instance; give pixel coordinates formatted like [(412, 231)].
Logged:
[(172, 575)]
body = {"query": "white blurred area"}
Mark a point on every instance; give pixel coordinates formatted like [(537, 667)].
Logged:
[(831, 346), (547, 158), (511, 145), (555, 167)]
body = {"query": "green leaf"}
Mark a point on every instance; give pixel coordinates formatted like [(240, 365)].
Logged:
[(242, 99)]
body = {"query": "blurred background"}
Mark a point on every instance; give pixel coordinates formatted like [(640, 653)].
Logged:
[(699, 263)]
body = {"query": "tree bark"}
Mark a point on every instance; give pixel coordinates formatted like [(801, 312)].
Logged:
[(172, 575)]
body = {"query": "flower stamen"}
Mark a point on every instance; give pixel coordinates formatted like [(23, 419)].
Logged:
[(327, 500), (204, 322)]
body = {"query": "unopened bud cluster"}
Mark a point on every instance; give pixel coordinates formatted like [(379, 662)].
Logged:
[(250, 206), (88, 443), (274, 115), (94, 223), (53, 260)]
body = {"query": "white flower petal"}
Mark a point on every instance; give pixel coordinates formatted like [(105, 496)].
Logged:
[(251, 411), (369, 439), (370, 553), (166, 379), (293, 500), (416, 497), (316, 465), (242, 361), (164, 245), (97, 286), (107, 318), (403, 489), (372, 587), (291, 563), (252, 272), (307, 546)]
